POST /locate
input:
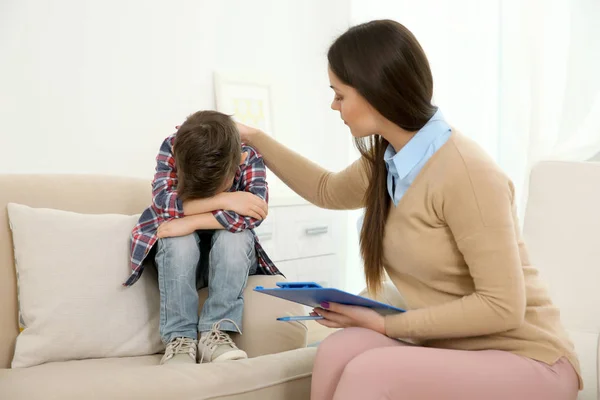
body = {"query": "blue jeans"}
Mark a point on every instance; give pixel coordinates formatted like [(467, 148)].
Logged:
[(181, 273)]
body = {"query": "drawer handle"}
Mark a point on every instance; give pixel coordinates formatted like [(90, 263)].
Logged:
[(318, 230), (265, 236)]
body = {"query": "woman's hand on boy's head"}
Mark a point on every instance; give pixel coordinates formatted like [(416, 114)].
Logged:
[(245, 204), (246, 132)]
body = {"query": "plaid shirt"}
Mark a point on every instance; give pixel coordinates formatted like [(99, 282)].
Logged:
[(250, 177)]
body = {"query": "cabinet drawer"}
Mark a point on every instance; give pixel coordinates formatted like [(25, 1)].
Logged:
[(303, 231), (289, 269), (322, 270), (266, 234)]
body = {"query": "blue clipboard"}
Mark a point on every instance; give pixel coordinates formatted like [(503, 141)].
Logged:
[(312, 294)]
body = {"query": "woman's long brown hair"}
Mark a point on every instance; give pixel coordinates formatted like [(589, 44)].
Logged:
[(385, 63)]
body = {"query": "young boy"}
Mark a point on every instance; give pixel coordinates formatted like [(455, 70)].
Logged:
[(209, 192)]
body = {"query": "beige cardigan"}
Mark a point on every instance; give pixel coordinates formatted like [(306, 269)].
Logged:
[(452, 247)]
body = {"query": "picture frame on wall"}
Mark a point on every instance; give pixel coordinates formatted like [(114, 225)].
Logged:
[(247, 100)]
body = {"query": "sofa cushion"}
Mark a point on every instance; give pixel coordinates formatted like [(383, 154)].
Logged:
[(276, 376), (72, 303)]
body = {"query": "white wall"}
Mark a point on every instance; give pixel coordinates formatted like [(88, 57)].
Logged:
[(461, 39), (550, 99), (94, 86), (90, 86)]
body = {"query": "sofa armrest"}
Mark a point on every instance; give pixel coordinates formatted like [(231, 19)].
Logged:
[(587, 347), (262, 333)]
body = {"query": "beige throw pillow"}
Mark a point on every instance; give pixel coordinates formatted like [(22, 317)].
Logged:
[(72, 303)]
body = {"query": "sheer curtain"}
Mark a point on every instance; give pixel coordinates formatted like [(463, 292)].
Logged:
[(549, 85), (461, 39), (520, 77)]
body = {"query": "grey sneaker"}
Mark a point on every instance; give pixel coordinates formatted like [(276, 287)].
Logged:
[(180, 350), (217, 346)]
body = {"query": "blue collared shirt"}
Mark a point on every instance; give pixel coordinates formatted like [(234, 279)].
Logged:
[(404, 166)]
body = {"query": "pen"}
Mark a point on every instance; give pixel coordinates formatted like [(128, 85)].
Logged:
[(298, 318)]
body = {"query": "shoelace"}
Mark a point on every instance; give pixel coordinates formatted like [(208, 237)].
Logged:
[(217, 337), (181, 345)]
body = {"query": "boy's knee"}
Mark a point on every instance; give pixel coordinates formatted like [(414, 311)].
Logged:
[(233, 242), (180, 243), (233, 250), (180, 250)]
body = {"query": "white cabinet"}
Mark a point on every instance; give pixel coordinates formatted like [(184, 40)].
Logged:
[(290, 268), (305, 242), (321, 270), (305, 231)]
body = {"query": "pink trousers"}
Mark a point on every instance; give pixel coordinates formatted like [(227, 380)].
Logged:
[(358, 363)]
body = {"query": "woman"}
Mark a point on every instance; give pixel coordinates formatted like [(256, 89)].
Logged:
[(440, 220)]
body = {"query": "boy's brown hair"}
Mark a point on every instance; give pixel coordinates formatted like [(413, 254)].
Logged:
[(207, 152)]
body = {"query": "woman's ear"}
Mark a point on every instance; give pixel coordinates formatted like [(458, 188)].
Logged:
[(243, 158)]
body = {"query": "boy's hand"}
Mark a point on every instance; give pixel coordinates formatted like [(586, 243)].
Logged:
[(175, 227), (245, 204)]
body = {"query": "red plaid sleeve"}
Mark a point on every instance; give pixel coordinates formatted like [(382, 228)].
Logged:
[(165, 202), (253, 179)]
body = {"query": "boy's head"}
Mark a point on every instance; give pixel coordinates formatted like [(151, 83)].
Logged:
[(207, 151)]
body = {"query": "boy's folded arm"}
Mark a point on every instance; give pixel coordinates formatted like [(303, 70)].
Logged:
[(253, 180), (201, 206), (187, 225), (164, 186), (203, 221)]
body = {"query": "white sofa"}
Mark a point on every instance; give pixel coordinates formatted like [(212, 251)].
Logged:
[(561, 229), (561, 224), (279, 366)]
